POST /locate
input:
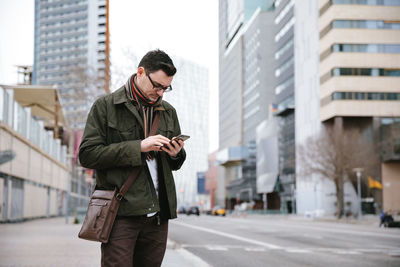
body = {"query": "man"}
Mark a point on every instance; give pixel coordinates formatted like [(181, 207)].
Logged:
[(116, 139)]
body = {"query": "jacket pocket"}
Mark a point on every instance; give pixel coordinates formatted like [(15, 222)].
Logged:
[(166, 129), (118, 134)]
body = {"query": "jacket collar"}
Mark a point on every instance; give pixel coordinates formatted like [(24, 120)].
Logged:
[(119, 97)]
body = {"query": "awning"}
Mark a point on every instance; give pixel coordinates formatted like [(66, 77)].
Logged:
[(43, 101), (266, 182)]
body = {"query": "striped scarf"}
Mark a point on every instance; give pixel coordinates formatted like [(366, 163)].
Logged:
[(145, 106)]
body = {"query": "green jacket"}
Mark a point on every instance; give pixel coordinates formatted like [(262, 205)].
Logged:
[(111, 145)]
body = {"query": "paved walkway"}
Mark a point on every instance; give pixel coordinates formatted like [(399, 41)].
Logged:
[(52, 242)]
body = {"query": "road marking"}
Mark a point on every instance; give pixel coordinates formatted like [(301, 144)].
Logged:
[(394, 234), (240, 238), (345, 252), (356, 251), (219, 248), (255, 249), (297, 250), (392, 252)]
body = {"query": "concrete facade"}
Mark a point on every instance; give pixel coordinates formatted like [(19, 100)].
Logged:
[(347, 68), (34, 183), (380, 80), (310, 191)]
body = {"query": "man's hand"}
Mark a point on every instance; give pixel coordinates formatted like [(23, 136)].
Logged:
[(173, 147), (153, 143)]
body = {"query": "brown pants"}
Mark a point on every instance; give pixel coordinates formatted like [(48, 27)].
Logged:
[(135, 241)]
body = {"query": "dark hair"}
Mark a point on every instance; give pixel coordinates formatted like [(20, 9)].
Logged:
[(157, 60)]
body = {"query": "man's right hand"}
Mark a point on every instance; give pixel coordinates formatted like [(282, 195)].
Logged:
[(153, 143)]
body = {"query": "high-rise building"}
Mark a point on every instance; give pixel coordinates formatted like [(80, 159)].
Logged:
[(284, 99), (190, 98), (347, 59), (72, 52), (245, 91)]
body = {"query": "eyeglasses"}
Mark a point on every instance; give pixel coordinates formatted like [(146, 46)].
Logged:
[(159, 86)]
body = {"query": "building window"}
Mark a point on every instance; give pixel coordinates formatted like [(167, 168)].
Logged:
[(366, 48), (325, 7), (284, 11), (366, 2), (284, 85), (284, 67), (285, 48), (360, 24), (285, 29), (365, 24), (365, 96), (365, 72)]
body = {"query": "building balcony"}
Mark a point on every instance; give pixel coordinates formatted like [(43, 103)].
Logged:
[(358, 36), (358, 12), (358, 108), (359, 60), (359, 84), (232, 156)]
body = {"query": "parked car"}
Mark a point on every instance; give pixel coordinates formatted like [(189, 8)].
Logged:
[(182, 210), (218, 211), (193, 210)]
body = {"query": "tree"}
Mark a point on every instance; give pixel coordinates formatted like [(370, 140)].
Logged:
[(333, 154)]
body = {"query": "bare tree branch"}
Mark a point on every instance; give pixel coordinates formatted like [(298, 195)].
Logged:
[(334, 154)]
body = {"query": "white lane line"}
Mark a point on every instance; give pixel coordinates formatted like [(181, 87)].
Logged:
[(393, 234), (218, 248), (346, 252), (240, 238), (297, 250), (393, 253), (255, 249)]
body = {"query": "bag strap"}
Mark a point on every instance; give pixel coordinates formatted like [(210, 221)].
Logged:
[(132, 177)]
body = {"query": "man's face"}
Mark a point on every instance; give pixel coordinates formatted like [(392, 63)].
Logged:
[(146, 81)]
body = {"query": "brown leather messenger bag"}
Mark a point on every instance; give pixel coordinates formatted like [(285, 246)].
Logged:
[(104, 204)]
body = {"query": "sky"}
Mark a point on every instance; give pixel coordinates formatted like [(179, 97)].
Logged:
[(183, 28)]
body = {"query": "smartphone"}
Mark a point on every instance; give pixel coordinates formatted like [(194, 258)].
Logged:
[(181, 136)]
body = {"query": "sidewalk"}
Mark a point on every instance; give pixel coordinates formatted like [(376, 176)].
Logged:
[(52, 242)]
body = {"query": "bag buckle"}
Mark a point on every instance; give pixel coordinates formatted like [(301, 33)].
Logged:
[(119, 196)]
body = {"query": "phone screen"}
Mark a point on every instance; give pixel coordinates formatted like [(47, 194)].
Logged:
[(183, 137)]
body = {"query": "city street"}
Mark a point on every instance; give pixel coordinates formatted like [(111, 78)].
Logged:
[(285, 241)]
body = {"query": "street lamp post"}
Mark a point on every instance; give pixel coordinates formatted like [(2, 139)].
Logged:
[(358, 172)]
